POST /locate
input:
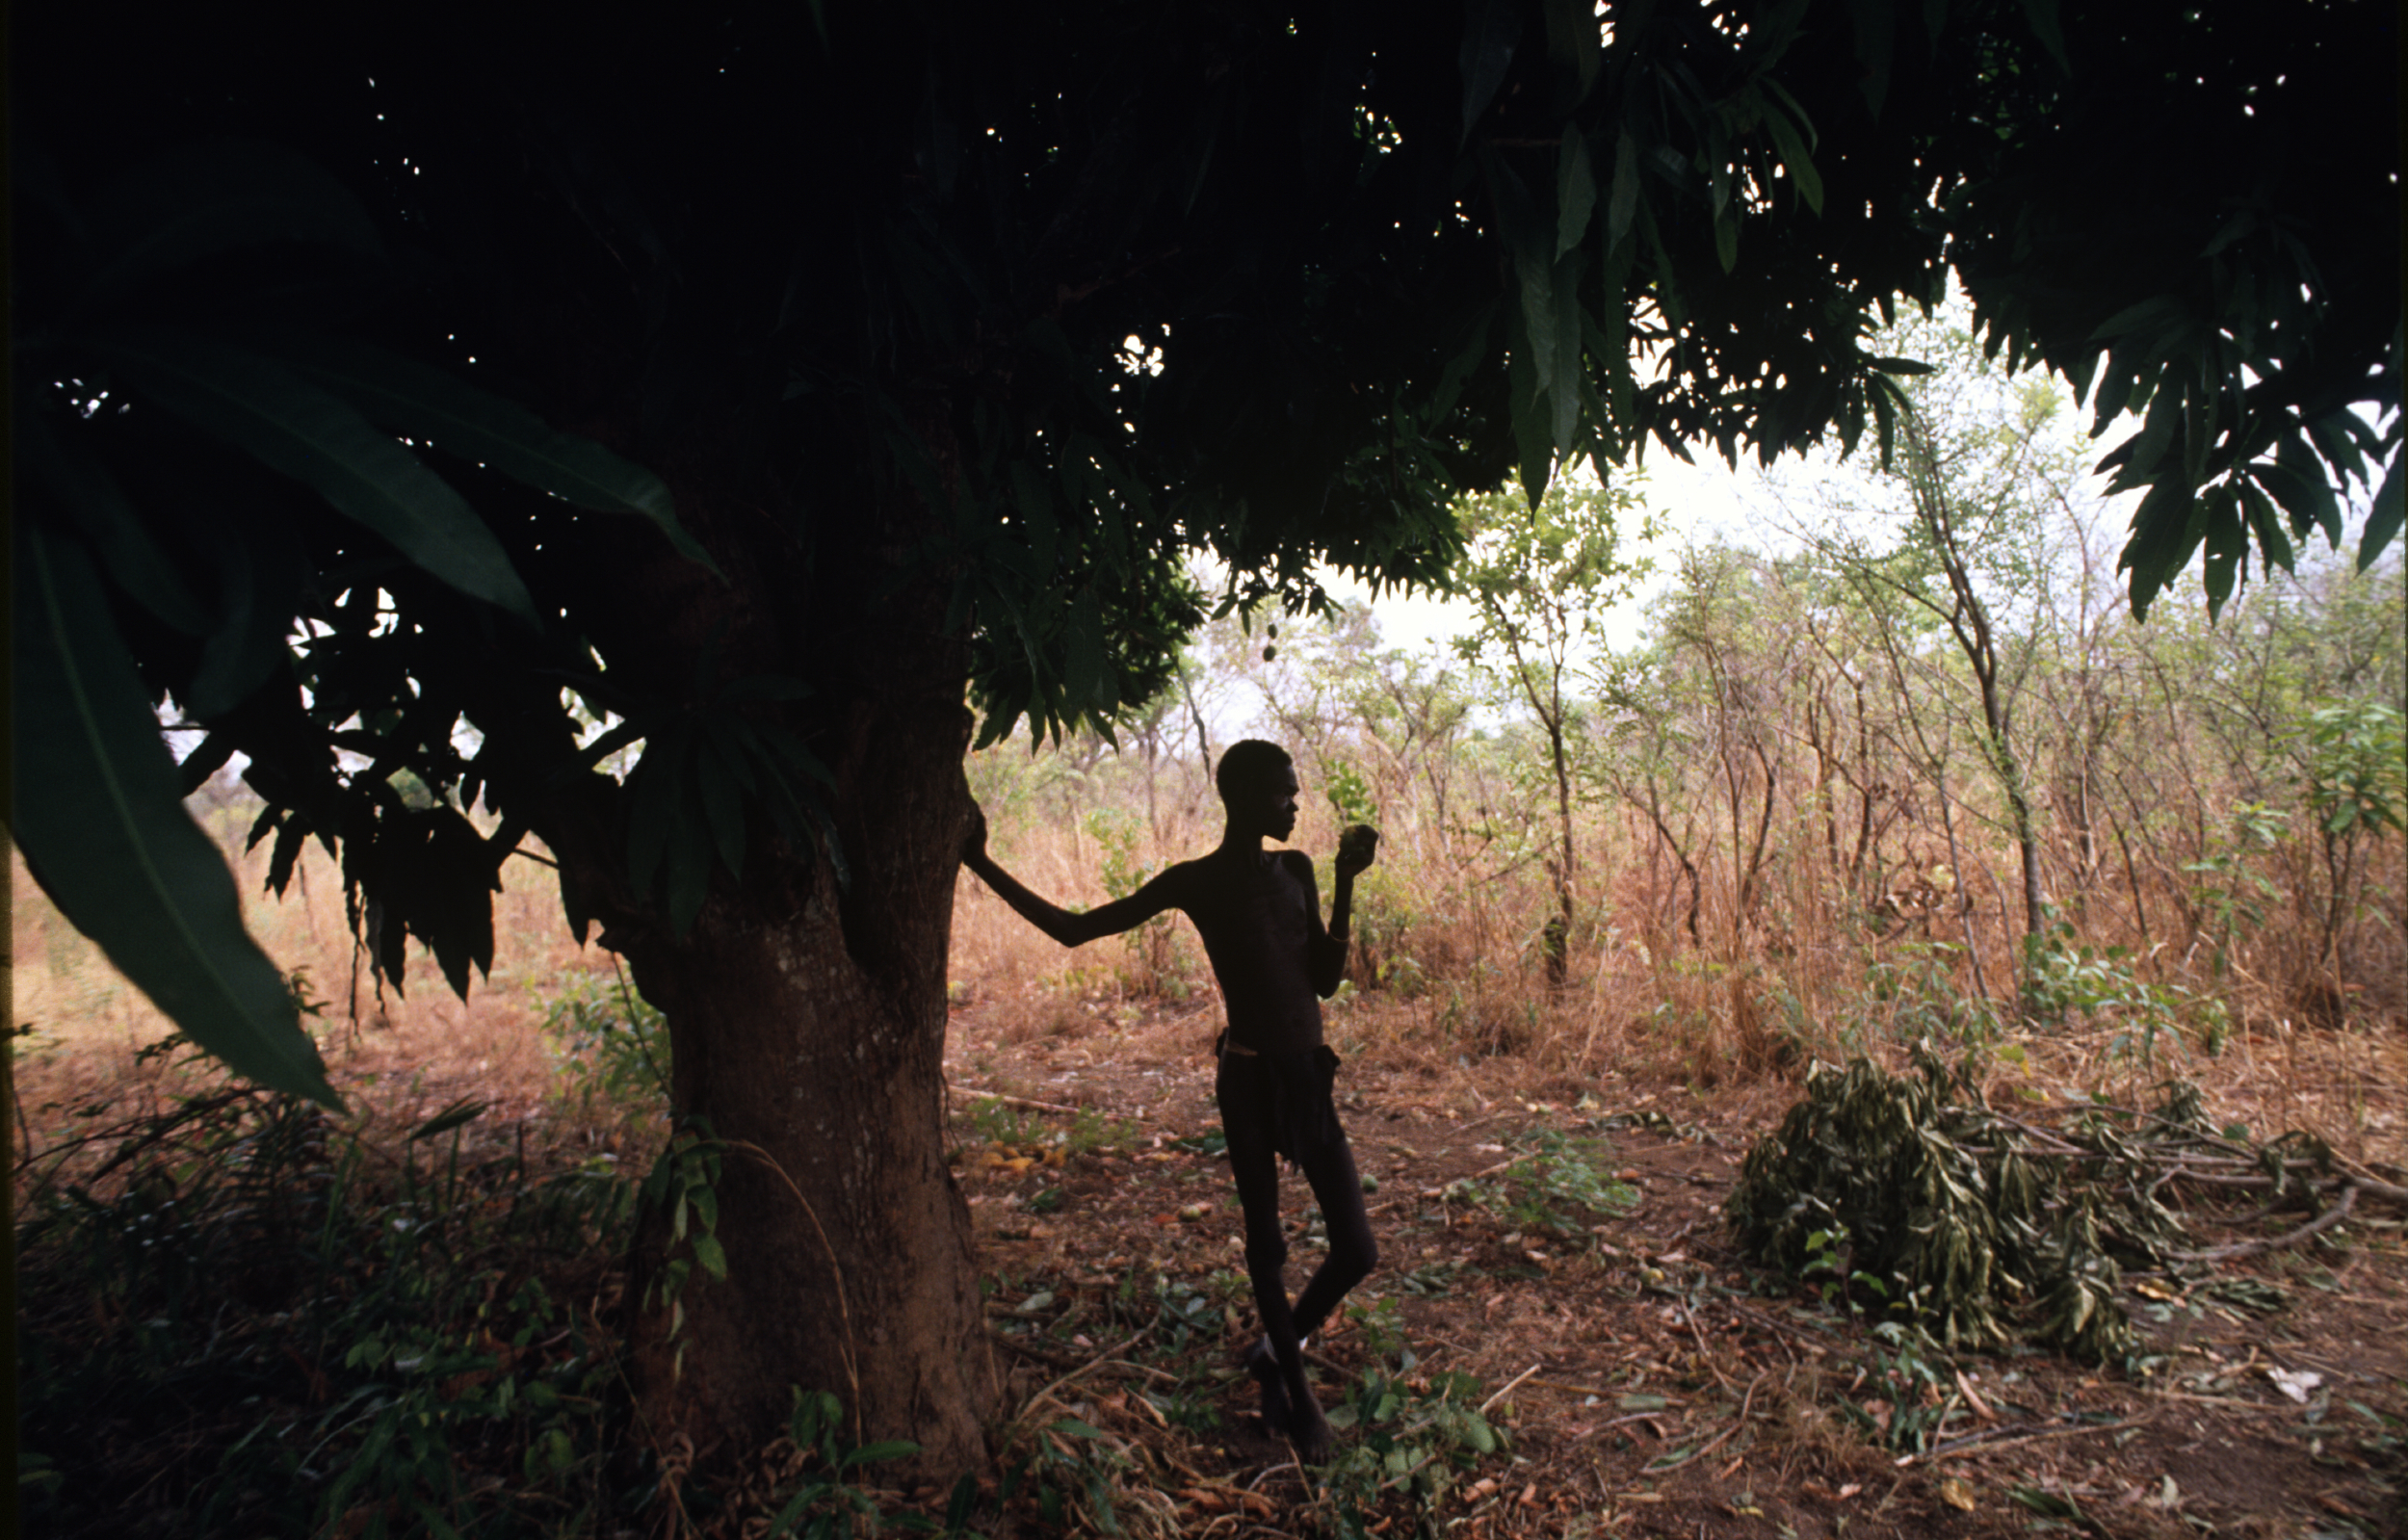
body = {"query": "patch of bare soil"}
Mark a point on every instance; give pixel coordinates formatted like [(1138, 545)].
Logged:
[(1648, 1381)]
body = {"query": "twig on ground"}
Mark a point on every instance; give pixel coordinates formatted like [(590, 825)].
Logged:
[(1104, 1357), (1508, 1388), (1705, 1354), (1999, 1439), (2282, 1243), (1719, 1439), (1016, 1101)]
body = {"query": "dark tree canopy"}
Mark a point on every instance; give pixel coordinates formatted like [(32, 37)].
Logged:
[(399, 399)]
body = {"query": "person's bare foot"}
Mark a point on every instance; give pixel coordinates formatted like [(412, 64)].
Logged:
[(1262, 1364), (1307, 1429)]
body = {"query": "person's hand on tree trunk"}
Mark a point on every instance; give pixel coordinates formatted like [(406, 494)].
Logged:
[(974, 839)]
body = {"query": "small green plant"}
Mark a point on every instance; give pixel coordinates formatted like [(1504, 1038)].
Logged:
[(1211, 1141), (684, 1183), (2233, 894), (2357, 787), (1574, 1170), (1183, 1313), (1380, 1320), (1412, 1441), (612, 1047), (1912, 994), (1912, 1389), (999, 1122), (374, 1342), (2065, 981), (1065, 1470), (824, 1506), (1432, 1280), (1092, 1131)]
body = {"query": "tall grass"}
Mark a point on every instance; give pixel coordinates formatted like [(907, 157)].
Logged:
[(243, 1316), (1447, 964)]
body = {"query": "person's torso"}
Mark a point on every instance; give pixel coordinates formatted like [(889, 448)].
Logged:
[(1256, 919)]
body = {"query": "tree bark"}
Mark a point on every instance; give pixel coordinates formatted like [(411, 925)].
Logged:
[(806, 1005), (806, 1017), (1558, 939)]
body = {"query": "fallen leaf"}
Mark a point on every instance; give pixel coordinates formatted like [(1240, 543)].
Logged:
[(1957, 1493), (2295, 1383)]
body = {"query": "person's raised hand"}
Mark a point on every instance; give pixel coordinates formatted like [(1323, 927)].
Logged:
[(974, 839), (1357, 847)]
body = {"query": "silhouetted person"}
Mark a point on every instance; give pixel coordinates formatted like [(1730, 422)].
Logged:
[(1258, 914)]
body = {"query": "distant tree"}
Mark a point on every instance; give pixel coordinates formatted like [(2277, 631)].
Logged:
[(1541, 577), (491, 395), (1978, 472)]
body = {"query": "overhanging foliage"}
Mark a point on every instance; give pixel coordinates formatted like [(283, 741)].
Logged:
[(1085, 289)]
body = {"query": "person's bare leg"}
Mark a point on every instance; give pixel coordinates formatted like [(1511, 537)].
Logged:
[(1338, 1188), (1353, 1255), (1277, 1361)]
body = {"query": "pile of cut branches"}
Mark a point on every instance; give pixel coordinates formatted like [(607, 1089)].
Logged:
[(1910, 1196)]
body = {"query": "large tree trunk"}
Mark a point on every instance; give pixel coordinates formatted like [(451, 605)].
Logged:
[(807, 1022), (806, 1013)]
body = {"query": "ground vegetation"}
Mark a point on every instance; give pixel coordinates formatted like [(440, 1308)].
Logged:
[(434, 416)]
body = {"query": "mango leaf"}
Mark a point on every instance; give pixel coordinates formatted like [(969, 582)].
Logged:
[(2163, 536), (64, 468), (1490, 33), (1623, 200), (690, 855), (1875, 26), (421, 400), (717, 778), (1564, 389), (204, 200), (1533, 425), (292, 426), (2383, 517), (1087, 677), (1575, 192), (2042, 14), (104, 830), (2273, 540), (1794, 156), (887, 1449), (652, 790), (467, 1109), (2296, 481), (259, 588)]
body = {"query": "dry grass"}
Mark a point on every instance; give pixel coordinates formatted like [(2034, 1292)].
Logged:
[(1464, 1028), (1448, 985)]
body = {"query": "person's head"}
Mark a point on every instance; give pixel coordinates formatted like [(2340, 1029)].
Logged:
[(1258, 787)]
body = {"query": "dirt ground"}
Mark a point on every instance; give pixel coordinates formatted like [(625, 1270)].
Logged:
[(1649, 1382), (1646, 1381)]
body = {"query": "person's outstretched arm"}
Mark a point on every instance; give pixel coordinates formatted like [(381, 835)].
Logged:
[(1069, 929)]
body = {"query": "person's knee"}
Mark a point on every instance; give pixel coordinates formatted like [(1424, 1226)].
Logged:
[(1266, 1254)]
